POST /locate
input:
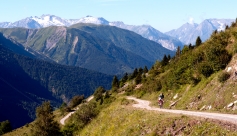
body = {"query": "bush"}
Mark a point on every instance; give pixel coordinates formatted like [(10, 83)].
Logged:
[(5, 127), (83, 116), (124, 101), (76, 100), (223, 77), (205, 69), (98, 94)]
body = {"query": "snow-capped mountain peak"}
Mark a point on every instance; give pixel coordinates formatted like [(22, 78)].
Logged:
[(93, 20), (46, 20)]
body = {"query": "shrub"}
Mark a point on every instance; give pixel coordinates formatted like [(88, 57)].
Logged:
[(5, 127), (223, 77), (205, 69), (98, 94), (83, 116), (124, 101), (76, 100)]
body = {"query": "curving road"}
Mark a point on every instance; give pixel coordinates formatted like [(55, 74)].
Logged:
[(62, 121), (218, 116)]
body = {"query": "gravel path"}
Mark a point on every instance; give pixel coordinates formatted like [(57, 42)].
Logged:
[(62, 121), (218, 116)]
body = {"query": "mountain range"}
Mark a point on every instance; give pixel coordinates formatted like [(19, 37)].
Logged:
[(146, 31), (102, 48), (189, 32)]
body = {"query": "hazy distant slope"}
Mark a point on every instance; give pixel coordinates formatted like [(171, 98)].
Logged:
[(188, 33)]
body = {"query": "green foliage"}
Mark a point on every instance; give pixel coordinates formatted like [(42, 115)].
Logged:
[(5, 127), (205, 69), (138, 78), (164, 61), (115, 82), (178, 52), (125, 101), (98, 94), (134, 74), (223, 77), (191, 65), (145, 70), (83, 116), (76, 100), (198, 41), (44, 123)]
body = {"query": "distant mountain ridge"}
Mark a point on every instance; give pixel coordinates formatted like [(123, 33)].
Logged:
[(50, 20), (188, 33)]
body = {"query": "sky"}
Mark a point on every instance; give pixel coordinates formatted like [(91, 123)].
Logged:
[(164, 15)]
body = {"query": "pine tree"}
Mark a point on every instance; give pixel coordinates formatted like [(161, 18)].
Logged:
[(125, 77), (198, 41), (44, 123), (134, 74), (123, 80), (178, 52), (140, 71), (165, 60), (169, 58), (115, 83), (145, 69)]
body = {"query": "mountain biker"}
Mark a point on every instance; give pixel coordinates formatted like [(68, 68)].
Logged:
[(161, 100)]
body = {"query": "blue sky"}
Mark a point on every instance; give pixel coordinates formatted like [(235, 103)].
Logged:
[(163, 15)]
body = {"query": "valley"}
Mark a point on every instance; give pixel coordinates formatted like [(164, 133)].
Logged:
[(49, 69)]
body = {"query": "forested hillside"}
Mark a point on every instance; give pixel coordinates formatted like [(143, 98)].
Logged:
[(26, 82)]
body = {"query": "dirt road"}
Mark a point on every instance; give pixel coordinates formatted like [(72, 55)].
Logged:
[(62, 121), (218, 116)]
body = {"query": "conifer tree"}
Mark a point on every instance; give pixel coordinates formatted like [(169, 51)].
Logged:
[(178, 52), (169, 58), (44, 123), (165, 60), (145, 70), (134, 74), (198, 41), (115, 83), (140, 71), (125, 77), (190, 46)]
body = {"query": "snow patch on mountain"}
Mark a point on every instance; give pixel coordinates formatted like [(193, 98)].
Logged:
[(50, 20)]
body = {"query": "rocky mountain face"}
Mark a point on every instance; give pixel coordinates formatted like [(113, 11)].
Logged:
[(50, 20), (188, 33), (102, 48), (151, 33)]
